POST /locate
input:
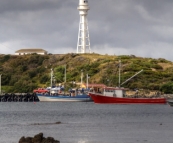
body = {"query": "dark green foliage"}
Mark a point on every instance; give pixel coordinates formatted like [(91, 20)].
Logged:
[(158, 67), (41, 69), (5, 79), (124, 57), (167, 88), (25, 73), (60, 69), (59, 73), (44, 79), (133, 67), (33, 59), (24, 68), (59, 77), (32, 73), (5, 58), (93, 68), (106, 61), (14, 79), (36, 59), (154, 86), (40, 60), (23, 87), (161, 60)]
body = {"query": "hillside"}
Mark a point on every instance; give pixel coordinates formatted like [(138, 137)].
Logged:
[(27, 72)]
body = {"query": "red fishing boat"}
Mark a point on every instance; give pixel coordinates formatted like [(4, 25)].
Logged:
[(117, 95)]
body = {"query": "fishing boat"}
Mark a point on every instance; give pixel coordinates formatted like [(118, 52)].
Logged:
[(82, 97), (118, 95), (170, 102), (58, 93)]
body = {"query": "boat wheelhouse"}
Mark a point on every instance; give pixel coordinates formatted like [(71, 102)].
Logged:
[(114, 92)]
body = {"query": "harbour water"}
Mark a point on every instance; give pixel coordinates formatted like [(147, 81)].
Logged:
[(86, 122)]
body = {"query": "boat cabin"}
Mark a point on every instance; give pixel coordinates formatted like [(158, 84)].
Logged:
[(114, 92), (96, 87), (77, 92), (55, 90)]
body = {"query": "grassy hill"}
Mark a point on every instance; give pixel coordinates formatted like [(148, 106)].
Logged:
[(27, 72)]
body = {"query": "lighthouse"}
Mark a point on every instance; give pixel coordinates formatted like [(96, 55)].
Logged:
[(83, 43)]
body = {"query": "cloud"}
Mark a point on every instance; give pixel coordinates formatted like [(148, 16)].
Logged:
[(124, 27)]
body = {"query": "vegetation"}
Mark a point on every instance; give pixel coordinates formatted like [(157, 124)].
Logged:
[(27, 72)]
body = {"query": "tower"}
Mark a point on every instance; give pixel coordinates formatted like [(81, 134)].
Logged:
[(83, 44)]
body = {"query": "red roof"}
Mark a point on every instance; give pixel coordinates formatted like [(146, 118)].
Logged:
[(116, 88), (96, 85)]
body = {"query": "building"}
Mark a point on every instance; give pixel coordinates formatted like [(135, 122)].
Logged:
[(30, 51)]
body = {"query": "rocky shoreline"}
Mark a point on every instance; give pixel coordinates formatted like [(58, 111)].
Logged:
[(38, 138)]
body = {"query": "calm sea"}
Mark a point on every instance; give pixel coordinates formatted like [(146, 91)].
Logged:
[(87, 122)]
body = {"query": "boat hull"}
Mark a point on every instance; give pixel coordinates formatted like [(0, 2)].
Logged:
[(170, 103), (98, 98), (79, 98)]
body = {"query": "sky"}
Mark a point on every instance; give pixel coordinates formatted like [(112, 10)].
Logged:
[(143, 28)]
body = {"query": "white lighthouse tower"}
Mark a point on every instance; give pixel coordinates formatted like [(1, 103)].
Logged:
[(83, 44)]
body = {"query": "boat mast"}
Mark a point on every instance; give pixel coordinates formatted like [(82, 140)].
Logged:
[(0, 83), (119, 73), (81, 77), (87, 80), (65, 75), (51, 76)]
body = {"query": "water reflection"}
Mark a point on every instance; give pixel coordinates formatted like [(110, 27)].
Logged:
[(82, 141)]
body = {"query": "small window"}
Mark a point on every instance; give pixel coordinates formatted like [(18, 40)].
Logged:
[(84, 1)]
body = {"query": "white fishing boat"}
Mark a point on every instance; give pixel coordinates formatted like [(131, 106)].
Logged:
[(62, 97), (57, 94)]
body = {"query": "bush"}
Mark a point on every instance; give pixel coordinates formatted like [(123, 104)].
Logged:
[(44, 79), (158, 67), (167, 88), (32, 73), (6, 58)]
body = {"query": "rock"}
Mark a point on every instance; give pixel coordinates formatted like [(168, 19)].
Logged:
[(50, 140), (22, 139), (28, 140), (38, 138)]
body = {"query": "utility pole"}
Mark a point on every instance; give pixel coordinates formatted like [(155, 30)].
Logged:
[(0, 83)]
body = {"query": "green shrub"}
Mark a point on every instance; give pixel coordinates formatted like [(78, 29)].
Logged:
[(167, 88)]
